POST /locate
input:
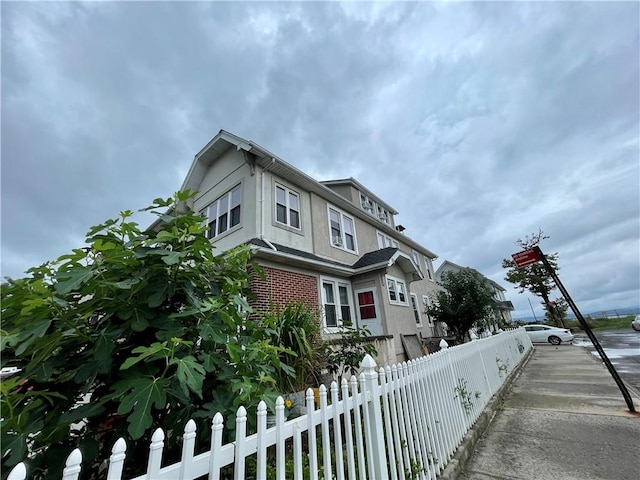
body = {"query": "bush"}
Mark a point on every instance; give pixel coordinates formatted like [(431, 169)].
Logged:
[(296, 328), (137, 330)]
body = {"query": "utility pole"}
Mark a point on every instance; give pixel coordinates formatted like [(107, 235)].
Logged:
[(534, 313)]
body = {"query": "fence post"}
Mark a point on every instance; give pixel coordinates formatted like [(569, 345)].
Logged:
[(72, 467), (19, 472), (372, 394), (116, 461)]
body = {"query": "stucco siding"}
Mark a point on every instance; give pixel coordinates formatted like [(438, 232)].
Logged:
[(228, 171), (302, 238)]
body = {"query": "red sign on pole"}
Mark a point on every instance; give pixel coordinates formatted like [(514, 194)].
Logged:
[(526, 257)]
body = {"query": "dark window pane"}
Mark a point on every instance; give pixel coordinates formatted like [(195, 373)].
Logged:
[(222, 223), (346, 313), (391, 285), (330, 315), (281, 213), (365, 298), (295, 219), (401, 295), (235, 216), (367, 312), (336, 230), (416, 314), (212, 229)]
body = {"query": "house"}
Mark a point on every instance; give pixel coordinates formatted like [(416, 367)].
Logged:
[(505, 307), (332, 244)]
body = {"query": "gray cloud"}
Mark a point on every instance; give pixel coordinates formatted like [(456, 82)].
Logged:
[(480, 122)]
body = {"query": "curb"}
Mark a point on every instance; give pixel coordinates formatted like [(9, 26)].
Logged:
[(459, 461)]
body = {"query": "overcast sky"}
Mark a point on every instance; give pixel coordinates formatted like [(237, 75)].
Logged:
[(479, 122)]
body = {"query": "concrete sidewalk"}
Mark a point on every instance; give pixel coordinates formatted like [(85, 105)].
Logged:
[(563, 418)]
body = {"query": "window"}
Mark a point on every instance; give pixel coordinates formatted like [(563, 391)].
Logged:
[(367, 305), (425, 304), (416, 259), (416, 309), (345, 307), (342, 230), (374, 208), (427, 264), (287, 207), (385, 241), (336, 300), (367, 204), (397, 291), (224, 213)]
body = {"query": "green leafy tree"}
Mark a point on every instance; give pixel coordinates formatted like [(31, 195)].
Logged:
[(138, 330), (465, 300), (534, 278)]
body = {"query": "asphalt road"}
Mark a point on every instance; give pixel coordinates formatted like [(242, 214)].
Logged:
[(623, 349)]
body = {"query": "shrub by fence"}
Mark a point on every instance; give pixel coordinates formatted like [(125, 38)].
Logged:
[(400, 421)]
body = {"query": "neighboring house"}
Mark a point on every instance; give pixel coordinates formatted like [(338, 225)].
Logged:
[(333, 244), (505, 307)]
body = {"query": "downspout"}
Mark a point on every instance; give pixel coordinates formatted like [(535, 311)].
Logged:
[(262, 195)]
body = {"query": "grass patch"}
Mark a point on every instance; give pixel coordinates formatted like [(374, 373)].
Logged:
[(602, 323)]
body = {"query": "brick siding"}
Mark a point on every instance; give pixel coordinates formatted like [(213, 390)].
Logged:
[(281, 287)]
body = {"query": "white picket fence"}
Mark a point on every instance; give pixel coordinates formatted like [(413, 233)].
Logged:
[(396, 422)]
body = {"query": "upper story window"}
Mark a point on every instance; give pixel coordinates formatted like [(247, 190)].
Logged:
[(287, 207), (375, 209), (224, 213), (397, 291), (416, 259), (386, 241), (342, 230), (427, 264)]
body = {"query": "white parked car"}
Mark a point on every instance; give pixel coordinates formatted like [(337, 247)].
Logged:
[(545, 333), (6, 372), (636, 323)]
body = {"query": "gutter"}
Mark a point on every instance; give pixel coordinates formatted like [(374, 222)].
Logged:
[(262, 237)]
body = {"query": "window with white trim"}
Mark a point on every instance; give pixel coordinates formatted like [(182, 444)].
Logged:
[(342, 230), (336, 302), (427, 264), (416, 309), (386, 241), (287, 207), (397, 291), (224, 213), (416, 259), (425, 304), (374, 208)]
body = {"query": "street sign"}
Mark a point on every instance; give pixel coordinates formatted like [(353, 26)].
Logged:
[(526, 257)]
